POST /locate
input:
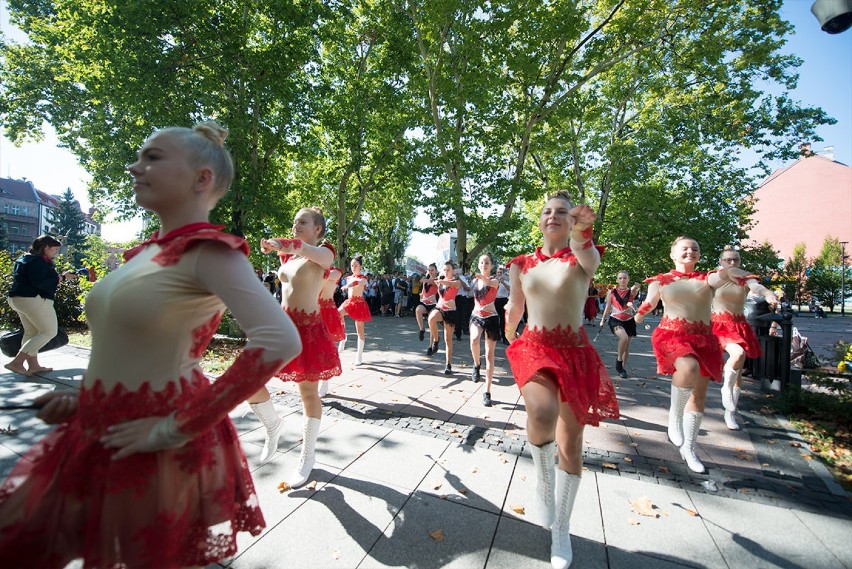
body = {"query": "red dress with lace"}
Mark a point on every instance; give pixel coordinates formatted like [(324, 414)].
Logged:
[(151, 320), (356, 307), (328, 310), (569, 357), (677, 337), (729, 323), (564, 352)]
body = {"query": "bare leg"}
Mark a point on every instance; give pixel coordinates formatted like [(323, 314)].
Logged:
[(448, 339)]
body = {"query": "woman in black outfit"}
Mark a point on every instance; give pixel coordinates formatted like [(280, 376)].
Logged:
[(34, 282)]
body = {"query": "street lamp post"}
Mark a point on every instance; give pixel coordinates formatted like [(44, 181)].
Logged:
[(843, 277)]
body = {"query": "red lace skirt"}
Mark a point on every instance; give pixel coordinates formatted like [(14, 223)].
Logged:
[(357, 309), (66, 498), (333, 319), (734, 329), (319, 358), (675, 337), (581, 376)]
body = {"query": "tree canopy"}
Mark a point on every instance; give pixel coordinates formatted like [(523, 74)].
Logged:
[(467, 111)]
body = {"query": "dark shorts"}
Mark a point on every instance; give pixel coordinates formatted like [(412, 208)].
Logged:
[(628, 325), (450, 317), (429, 307), (489, 324)]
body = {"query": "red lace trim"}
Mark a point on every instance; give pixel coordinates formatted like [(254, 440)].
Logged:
[(672, 276), (559, 337), (202, 335), (735, 329), (685, 326), (177, 242), (319, 358), (527, 262), (744, 279)]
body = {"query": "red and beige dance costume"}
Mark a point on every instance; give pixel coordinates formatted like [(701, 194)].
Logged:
[(677, 337), (445, 295), (151, 320), (318, 361), (330, 314), (565, 354), (730, 327), (357, 309), (487, 321)]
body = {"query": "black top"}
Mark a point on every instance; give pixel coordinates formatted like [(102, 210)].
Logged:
[(34, 275)]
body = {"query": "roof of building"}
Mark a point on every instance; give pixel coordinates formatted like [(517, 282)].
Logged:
[(18, 189)]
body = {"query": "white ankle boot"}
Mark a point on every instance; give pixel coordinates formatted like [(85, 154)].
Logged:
[(359, 359), (322, 389), (680, 395), (267, 414), (691, 426), (544, 458), (561, 553), (307, 456), (729, 381)]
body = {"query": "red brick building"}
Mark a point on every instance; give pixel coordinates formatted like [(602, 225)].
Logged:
[(805, 202)]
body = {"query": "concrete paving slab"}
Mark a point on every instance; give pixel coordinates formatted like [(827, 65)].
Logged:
[(400, 458), (667, 536), (350, 515), (832, 532), (407, 541), (756, 535), (620, 559), (471, 476)]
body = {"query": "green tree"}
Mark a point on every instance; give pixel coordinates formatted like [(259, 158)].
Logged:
[(68, 221), (824, 279), (795, 273), (4, 235), (761, 259)]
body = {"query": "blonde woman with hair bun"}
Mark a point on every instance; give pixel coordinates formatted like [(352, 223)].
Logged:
[(304, 262), (145, 468)]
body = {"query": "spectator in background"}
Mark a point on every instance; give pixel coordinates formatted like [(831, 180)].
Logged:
[(400, 293), (503, 289), (34, 284)]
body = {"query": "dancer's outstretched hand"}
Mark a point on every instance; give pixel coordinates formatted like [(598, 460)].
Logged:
[(583, 215)]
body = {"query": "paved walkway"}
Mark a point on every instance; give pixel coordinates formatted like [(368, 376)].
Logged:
[(413, 471)]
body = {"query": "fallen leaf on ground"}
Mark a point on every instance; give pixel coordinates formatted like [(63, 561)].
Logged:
[(335, 555), (634, 445), (524, 476), (312, 485), (503, 460), (664, 469), (437, 535), (474, 470), (692, 513), (807, 456), (610, 465), (462, 490), (797, 445), (283, 487), (771, 442), (628, 459), (644, 507), (633, 521), (519, 510), (744, 490), (742, 455), (436, 485)]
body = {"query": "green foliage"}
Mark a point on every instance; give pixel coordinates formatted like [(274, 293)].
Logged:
[(825, 277), (761, 259), (795, 273), (229, 327), (68, 222)]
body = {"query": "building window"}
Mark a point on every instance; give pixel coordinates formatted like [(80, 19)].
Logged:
[(14, 230), (25, 210), (25, 230), (16, 210), (5, 208)]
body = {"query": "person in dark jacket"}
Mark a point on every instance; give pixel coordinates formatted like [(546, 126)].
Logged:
[(34, 282)]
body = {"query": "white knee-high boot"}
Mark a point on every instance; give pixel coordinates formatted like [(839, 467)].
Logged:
[(322, 389), (561, 553), (691, 426), (359, 359), (680, 396), (730, 417), (267, 414), (544, 458), (341, 345), (729, 377), (310, 433)]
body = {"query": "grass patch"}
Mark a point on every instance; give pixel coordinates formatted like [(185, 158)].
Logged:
[(824, 419)]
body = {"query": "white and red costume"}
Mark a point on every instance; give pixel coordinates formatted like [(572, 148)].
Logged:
[(564, 352), (319, 359), (356, 307), (729, 323), (677, 337), (151, 321), (330, 315)]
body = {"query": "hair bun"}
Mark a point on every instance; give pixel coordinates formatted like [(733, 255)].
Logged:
[(213, 131)]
